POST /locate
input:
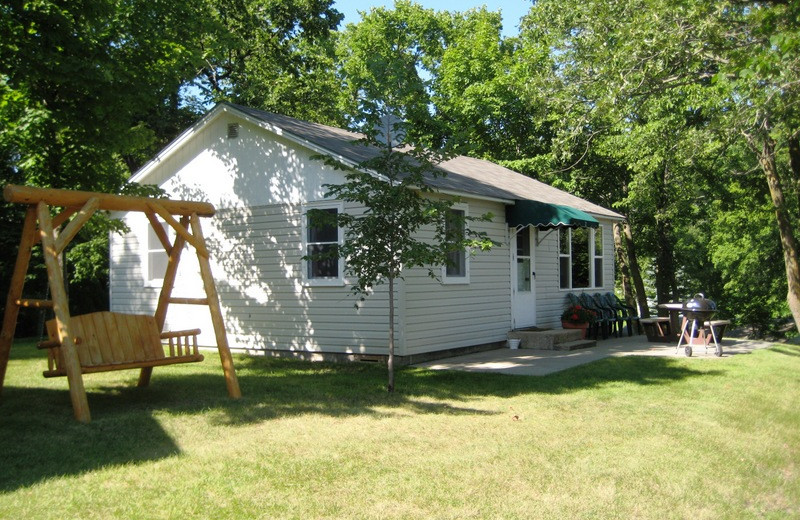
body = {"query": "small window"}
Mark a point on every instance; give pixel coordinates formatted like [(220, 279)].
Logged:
[(233, 130), (598, 257), (457, 268), (156, 254), (322, 241), (564, 256)]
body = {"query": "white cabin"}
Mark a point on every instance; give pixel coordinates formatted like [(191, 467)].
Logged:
[(258, 169)]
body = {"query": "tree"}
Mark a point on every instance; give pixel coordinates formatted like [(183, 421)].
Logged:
[(91, 89), (272, 55), (677, 87), (78, 80), (388, 103)]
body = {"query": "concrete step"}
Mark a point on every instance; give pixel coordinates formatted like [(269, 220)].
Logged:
[(545, 339), (575, 345)]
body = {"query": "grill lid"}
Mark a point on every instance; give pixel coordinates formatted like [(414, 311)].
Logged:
[(699, 307)]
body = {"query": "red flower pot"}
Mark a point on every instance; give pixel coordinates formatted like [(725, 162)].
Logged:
[(582, 326)]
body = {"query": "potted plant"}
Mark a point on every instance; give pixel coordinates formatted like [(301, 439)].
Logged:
[(578, 317)]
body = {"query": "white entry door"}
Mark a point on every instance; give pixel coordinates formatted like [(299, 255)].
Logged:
[(523, 279)]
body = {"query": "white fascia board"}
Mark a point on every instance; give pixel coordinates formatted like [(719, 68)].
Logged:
[(464, 194), (222, 108)]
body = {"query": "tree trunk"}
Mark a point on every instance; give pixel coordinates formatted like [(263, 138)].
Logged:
[(791, 256), (390, 363), (666, 282), (794, 163), (622, 261), (665, 264), (636, 272)]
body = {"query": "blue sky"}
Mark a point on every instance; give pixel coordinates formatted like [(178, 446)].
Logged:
[(512, 10)]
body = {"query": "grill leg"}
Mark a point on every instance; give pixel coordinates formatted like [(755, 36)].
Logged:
[(717, 348), (683, 331)]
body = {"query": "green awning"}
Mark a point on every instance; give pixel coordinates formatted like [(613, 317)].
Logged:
[(547, 216)]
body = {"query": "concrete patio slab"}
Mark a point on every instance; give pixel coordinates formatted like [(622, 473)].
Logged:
[(542, 362)]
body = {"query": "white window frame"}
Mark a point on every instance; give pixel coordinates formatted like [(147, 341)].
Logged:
[(592, 258), (147, 250), (459, 280), (596, 257), (338, 281)]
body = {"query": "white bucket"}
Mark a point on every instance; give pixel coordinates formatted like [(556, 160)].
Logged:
[(513, 344)]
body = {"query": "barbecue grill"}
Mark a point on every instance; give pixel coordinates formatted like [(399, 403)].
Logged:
[(698, 312)]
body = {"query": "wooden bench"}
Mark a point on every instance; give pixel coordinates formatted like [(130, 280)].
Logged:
[(657, 329), (719, 327), (114, 341)]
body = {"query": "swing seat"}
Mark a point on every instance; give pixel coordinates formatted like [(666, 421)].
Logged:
[(107, 341)]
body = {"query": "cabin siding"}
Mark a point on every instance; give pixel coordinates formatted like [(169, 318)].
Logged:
[(441, 316), (256, 258)]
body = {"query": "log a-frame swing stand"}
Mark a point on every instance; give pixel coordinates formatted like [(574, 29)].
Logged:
[(104, 341)]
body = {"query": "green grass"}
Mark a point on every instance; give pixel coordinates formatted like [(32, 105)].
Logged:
[(631, 437)]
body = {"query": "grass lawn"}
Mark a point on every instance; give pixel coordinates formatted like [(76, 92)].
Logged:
[(631, 437)]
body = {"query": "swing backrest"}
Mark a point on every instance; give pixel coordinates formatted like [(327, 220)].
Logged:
[(110, 338)]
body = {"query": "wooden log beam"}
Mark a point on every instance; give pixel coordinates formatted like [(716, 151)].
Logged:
[(189, 301), (72, 365), (199, 245), (159, 231), (37, 304), (76, 224), (217, 321), (107, 201), (166, 292), (15, 290)]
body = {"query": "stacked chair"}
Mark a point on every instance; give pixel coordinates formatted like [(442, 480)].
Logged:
[(627, 312), (615, 318), (605, 320)]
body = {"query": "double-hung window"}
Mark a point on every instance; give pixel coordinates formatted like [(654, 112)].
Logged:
[(580, 256), (156, 256), (322, 239), (457, 268), (598, 257)]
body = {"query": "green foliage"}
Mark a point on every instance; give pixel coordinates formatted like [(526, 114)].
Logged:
[(272, 55), (745, 248)]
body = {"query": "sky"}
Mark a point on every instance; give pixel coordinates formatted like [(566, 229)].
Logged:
[(512, 10)]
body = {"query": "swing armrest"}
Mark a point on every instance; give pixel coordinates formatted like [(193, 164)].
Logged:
[(48, 344), (179, 333), (54, 343)]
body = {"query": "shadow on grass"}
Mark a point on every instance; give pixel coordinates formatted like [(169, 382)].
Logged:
[(788, 350), (40, 439)]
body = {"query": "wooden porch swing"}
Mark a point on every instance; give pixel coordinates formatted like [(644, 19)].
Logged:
[(104, 341)]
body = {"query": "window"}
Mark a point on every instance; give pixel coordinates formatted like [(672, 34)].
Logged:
[(580, 255), (598, 257), (322, 241), (156, 262), (456, 270), (524, 260)]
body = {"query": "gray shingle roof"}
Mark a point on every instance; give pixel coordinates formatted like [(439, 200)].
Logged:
[(465, 175)]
